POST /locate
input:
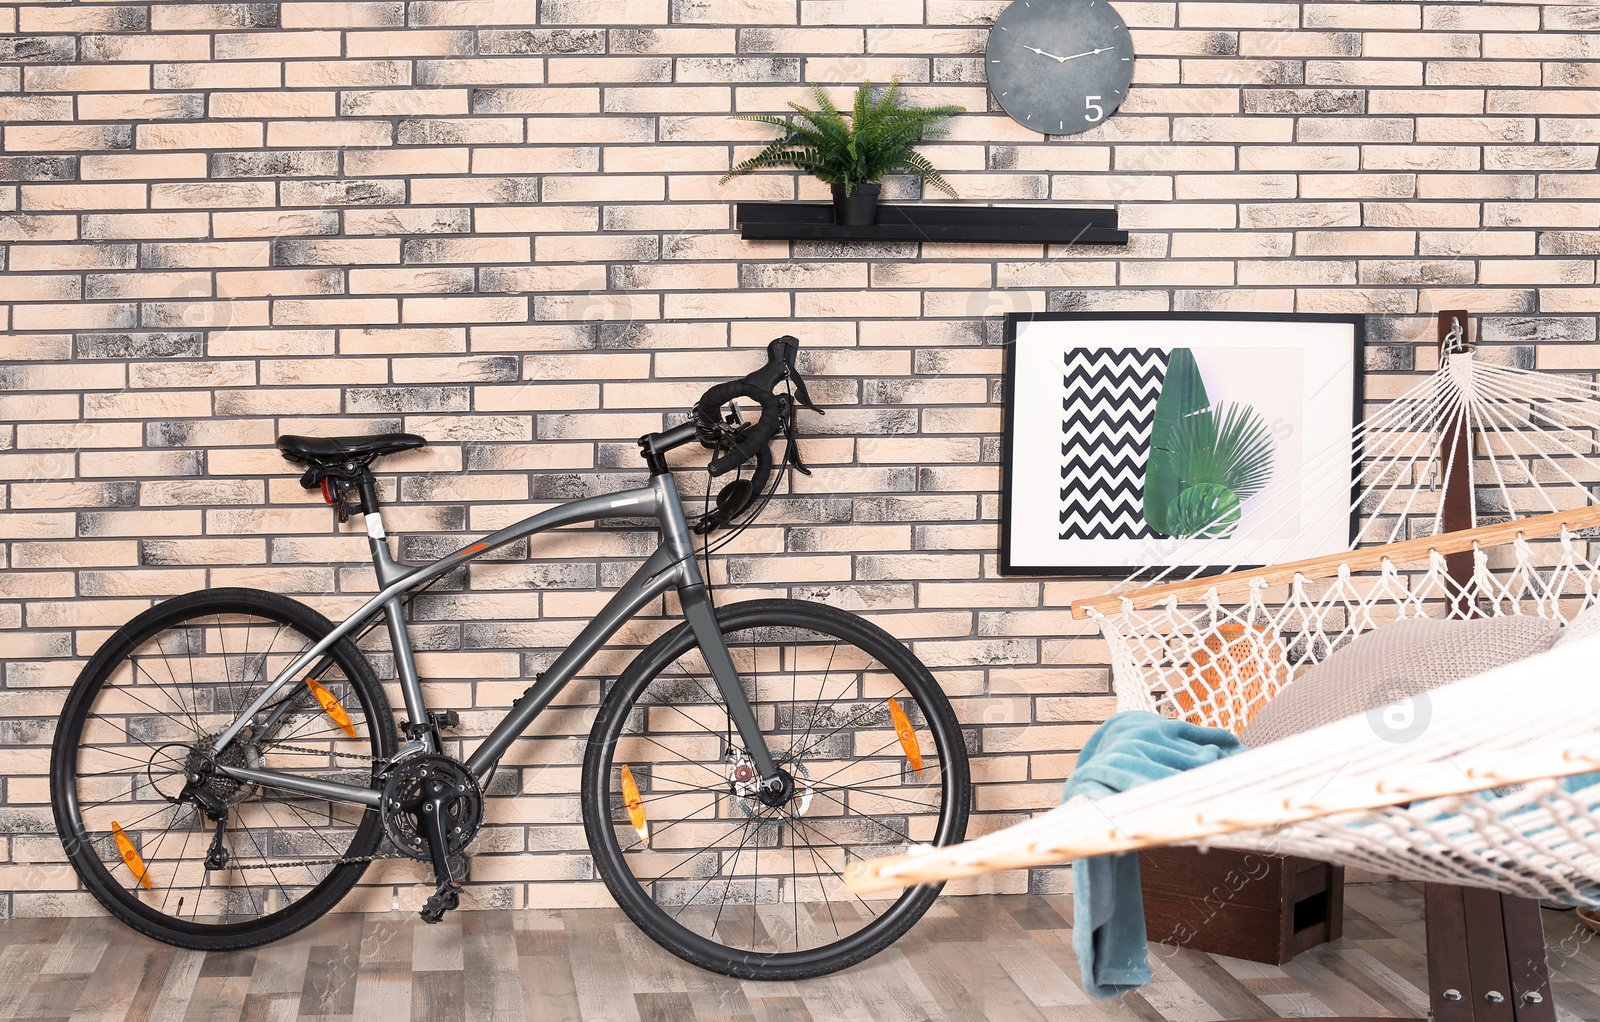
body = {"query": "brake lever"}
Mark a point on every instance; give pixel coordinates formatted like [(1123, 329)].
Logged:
[(791, 449), (791, 454), (802, 395)]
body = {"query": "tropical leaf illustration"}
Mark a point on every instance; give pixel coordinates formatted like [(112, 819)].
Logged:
[(1226, 444), (1205, 460), (1183, 393), (1206, 511)]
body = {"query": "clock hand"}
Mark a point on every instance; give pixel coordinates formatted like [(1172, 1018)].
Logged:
[(1063, 60), (1085, 53), (1044, 53)]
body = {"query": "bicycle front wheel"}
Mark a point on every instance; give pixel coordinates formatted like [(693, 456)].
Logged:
[(752, 886), (164, 840)]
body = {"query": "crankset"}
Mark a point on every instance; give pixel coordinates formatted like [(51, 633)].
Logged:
[(432, 809)]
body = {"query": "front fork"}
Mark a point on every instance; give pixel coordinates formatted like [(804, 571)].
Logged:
[(702, 617)]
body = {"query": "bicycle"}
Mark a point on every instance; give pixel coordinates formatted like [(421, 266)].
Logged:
[(735, 766)]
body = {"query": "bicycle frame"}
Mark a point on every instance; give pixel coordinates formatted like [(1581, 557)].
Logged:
[(671, 565)]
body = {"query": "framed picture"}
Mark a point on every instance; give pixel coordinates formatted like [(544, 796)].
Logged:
[(1182, 441)]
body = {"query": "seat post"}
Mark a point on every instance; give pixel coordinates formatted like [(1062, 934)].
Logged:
[(377, 539)]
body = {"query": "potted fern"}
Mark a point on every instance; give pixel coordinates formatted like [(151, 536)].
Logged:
[(880, 137)]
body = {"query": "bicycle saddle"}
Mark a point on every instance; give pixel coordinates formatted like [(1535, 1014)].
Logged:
[(323, 449)]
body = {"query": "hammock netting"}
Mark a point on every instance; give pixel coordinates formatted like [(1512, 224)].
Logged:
[(1492, 792)]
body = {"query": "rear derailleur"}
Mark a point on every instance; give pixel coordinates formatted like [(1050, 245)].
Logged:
[(432, 809)]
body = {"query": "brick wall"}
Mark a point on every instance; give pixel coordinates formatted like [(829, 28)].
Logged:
[(501, 227)]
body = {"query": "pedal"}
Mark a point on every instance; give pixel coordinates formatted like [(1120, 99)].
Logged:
[(443, 900), (446, 720)]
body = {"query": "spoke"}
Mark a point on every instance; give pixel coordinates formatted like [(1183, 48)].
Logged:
[(142, 761), (722, 784), (131, 796), (716, 845), (134, 662), (108, 750), (755, 896), (675, 794), (128, 691), (157, 812), (826, 901), (830, 869), (187, 835), (860, 759), (233, 693), (859, 717), (261, 853), (875, 820), (662, 830), (222, 643), (822, 688), (130, 736), (710, 699), (674, 708), (673, 753), (794, 892), (155, 846), (732, 868), (876, 794), (176, 686), (118, 772), (864, 785), (310, 825), (266, 659)]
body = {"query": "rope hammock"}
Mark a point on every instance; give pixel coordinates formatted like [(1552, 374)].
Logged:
[(1477, 798)]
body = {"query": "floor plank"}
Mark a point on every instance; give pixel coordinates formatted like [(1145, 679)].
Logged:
[(981, 959)]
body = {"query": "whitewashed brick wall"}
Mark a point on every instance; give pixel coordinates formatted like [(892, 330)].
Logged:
[(497, 223)]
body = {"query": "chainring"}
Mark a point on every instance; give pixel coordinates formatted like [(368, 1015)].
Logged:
[(406, 789)]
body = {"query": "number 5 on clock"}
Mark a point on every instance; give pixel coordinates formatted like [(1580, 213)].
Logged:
[(1092, 111)]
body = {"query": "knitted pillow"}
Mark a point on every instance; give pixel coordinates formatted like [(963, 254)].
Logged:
[(1396, 662)]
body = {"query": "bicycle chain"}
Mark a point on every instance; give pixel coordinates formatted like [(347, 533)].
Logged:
[(280, 746)]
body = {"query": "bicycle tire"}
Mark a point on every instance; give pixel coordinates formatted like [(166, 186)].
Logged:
[(605, 810), (364, 703)]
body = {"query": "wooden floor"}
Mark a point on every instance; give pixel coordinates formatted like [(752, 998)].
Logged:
[(998, 958)]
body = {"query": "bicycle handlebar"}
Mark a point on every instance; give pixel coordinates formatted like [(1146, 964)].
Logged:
[(760, 386)]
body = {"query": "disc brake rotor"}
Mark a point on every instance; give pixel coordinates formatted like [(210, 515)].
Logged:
[(746, 785)]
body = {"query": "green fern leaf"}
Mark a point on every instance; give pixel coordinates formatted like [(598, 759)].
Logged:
[(879, 138)]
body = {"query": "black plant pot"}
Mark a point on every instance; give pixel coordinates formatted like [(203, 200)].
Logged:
[(859, 208)]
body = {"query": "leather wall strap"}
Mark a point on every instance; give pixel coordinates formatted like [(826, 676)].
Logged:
[(1486, 951)]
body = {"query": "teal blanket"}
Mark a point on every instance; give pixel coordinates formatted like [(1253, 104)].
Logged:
[(1128, 750)]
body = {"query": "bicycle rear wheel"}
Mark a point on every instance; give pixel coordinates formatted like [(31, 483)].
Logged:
[(137, 731), (728, 880)]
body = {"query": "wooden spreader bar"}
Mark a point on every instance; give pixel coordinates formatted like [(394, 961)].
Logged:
[(1366, 559)]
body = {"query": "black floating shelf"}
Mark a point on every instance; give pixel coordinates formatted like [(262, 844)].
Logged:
[(1028, 225)]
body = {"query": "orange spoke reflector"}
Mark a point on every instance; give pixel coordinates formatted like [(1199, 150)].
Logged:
[(331, 706), (130, 855), (907, 734), (630, 795)]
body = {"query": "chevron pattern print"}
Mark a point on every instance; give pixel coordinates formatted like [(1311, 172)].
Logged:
[(1109, 411)]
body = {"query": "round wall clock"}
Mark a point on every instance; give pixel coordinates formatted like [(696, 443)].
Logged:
[(1060, 66)]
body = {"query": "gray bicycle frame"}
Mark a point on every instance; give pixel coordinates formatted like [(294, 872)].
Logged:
[(672, 565)]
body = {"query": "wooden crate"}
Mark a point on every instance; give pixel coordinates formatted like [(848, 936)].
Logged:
[(1264, 908)]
